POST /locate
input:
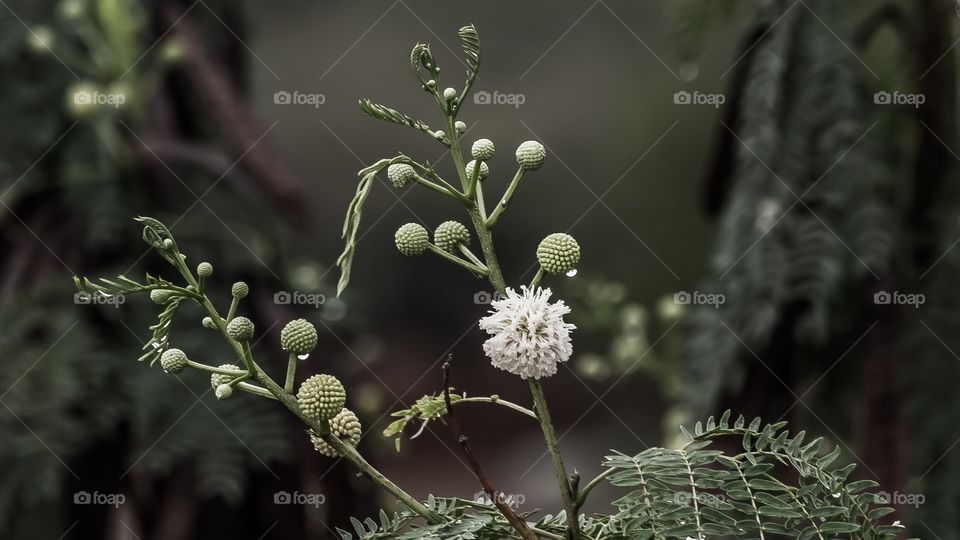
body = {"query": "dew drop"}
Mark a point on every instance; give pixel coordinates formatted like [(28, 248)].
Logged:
[(572, 273), (303, 356)]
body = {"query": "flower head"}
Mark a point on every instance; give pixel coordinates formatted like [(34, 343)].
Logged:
[(530, 155), (529, 336), (344, 425), (401, 174), (240, 329), (298, 337), (412, 239)]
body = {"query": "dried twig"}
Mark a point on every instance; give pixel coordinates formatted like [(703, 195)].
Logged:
[(519, 524)]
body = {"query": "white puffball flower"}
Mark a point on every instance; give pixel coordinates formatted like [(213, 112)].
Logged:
[(529, 336)]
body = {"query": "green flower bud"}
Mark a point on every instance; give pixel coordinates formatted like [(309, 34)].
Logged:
[(460, 126), (530, 155), (204, 269), (223, 391), (168, 243), (161, 296), (219, 379), (298, 337), (482, 149), (439, 135), (449, 93), (401, 174), (484, 169), (321, 397), (173, 361), (208, 323), (240, 329), (240, 290), (558, 253), (450, 234), (346, 426), (411, 239)]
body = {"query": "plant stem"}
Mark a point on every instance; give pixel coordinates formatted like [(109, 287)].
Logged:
[(291, 373), (470, 256), (582, 495), (457, 260), (210, 369), (502, 205), (489, 253), (543, 413), (497, 401), (255, 390), (290, 402)]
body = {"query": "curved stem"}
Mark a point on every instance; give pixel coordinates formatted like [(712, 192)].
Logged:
[(255, 390), (210, 369), (582, 495), (290, 402), (502, 205), (497, 401), (537, 278)]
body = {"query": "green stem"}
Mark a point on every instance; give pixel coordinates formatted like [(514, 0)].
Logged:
[(502, 205), (480, 202), (256, 390), (233, 308), (489, 253), (210, 369), (582, 495), (497, 401), (470, 256), (537, 278), (457, 260), (543, 413), (290, 402), (291, 373)]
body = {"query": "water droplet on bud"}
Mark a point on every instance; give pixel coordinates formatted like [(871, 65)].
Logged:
[(572, 273)]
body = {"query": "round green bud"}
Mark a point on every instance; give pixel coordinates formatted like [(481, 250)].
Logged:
[(321, 397), (450, 234), (223, 391), (168, 243), (484, 169), (240, 290), (439, 135), (204, 269), (530, 155), (240, 329), (558, 253), (482, 149), (161, 296), (346, 426), (401, 174), (460, 126), (173, 361), (219, 379), (449, 93), (431, 83), (208, 323), (411, 239), (298, 337)]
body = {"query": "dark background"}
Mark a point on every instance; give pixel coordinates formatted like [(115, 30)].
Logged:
[(652, 190)]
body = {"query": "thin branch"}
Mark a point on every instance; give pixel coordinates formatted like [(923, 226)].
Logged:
[(517, 523)]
